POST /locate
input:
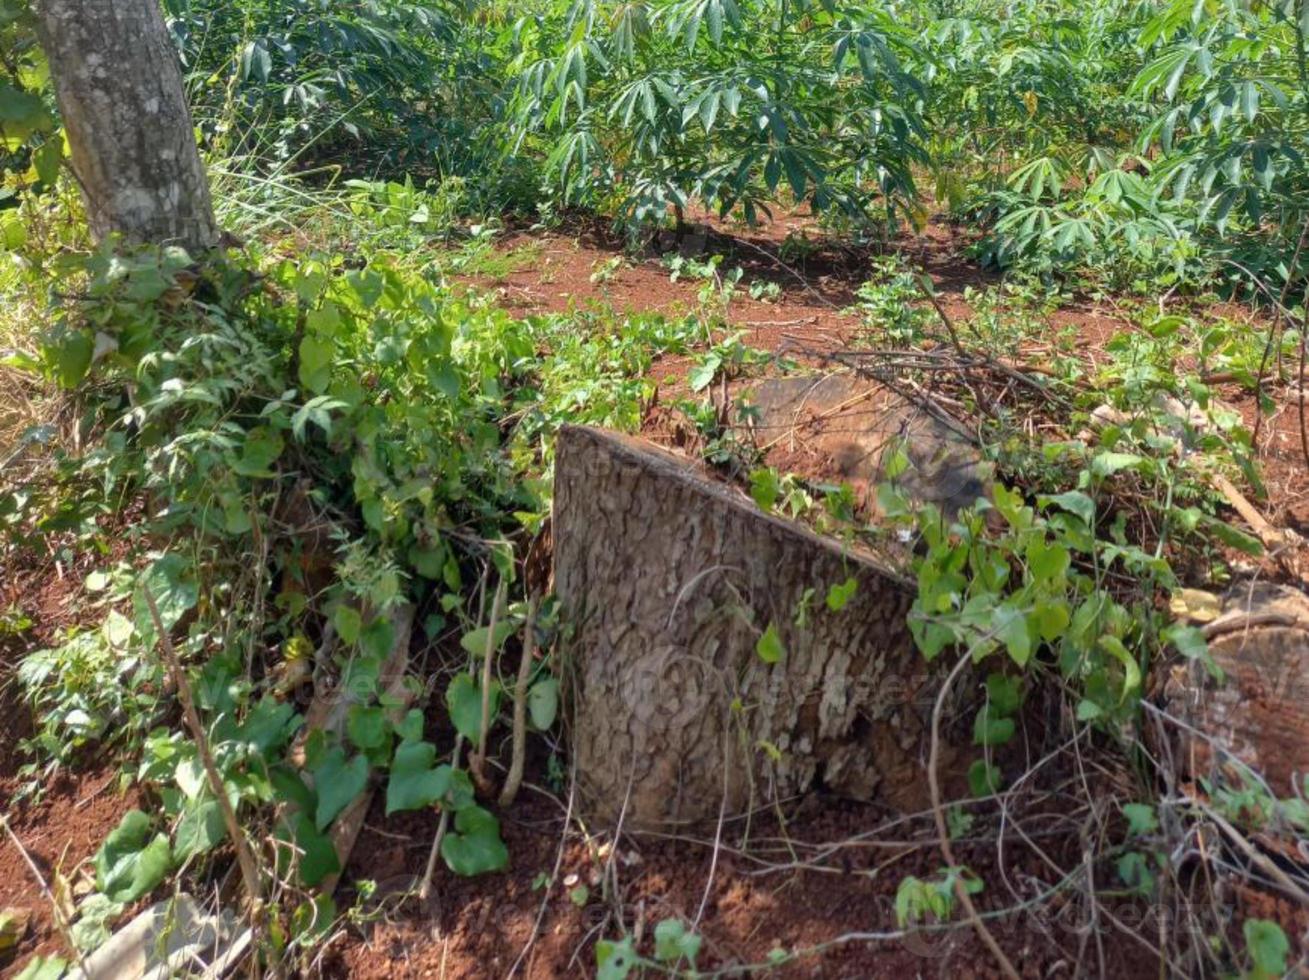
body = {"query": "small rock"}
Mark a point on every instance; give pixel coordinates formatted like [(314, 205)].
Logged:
[(13, 926)]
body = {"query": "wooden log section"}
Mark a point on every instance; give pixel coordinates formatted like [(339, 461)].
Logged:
[(669, 580)]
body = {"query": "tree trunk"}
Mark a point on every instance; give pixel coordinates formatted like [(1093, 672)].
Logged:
[(133, 146), (681, 709)]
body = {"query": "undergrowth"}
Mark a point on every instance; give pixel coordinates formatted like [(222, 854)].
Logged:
[(312, 462)]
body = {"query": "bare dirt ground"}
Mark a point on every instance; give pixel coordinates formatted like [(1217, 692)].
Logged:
[(820, 876)]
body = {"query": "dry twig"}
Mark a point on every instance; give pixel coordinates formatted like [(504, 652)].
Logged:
[(244, 855)]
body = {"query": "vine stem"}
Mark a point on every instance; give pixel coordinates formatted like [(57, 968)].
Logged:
[(244, 856), (947, 849), (515, 777), (477, 761), (425, 888)]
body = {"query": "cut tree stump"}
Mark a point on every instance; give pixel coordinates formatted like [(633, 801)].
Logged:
[(1258, 715), (674, 586)]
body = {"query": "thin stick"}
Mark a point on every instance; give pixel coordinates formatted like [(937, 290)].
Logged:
[(425, 888), (929, 290), (947, 851), (515, 777), (477, 761), (1304, 355), (554, 875), (1271, 536), (61, 924), (244, 856)]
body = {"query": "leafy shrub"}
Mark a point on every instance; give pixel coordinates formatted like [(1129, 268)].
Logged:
[(640, 108)]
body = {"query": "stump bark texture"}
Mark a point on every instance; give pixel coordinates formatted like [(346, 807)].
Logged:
[(1257, 714), (670, 581)]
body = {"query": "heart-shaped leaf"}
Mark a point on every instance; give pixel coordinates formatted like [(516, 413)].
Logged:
[(474, 847), (543, 702), (337, 783), (131, 862)]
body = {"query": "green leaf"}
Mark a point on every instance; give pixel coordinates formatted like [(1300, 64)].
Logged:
[(378, 637), (464, 699), (1135, 872), (316, 857), (1131, 669), (268, 726), (200, 830), (1004, 693), (73, 358), (415, 783), (765, 488), (1075, 502), (1109, 463), (1010, 627), (43, 968), (1088, 710), (410, 728), (366, 726), (614, 960), (1189, 641), (1141, 819), (312, 920), (337, 783), (1052, 618), (316, 355), (543, 702), (130, 863), (348, 623), (427, 562), (1047, 560), (673, 942), (172, 585), (474, 847), (262, 447), (1268, 947), (983, 779), (474, 642), (838, 596), (1234, 537), (991, 730), (769, 646), (325, 321), (703, 374)]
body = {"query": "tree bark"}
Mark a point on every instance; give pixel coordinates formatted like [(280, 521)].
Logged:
[(668, 581), (1256, 716), (129, 130)]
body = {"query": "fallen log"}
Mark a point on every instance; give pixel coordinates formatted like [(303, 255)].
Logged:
[(711, 673)]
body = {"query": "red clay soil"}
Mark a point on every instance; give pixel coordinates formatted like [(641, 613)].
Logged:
[(66, 822), (68, 825), (743, 910), (480, 928)]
